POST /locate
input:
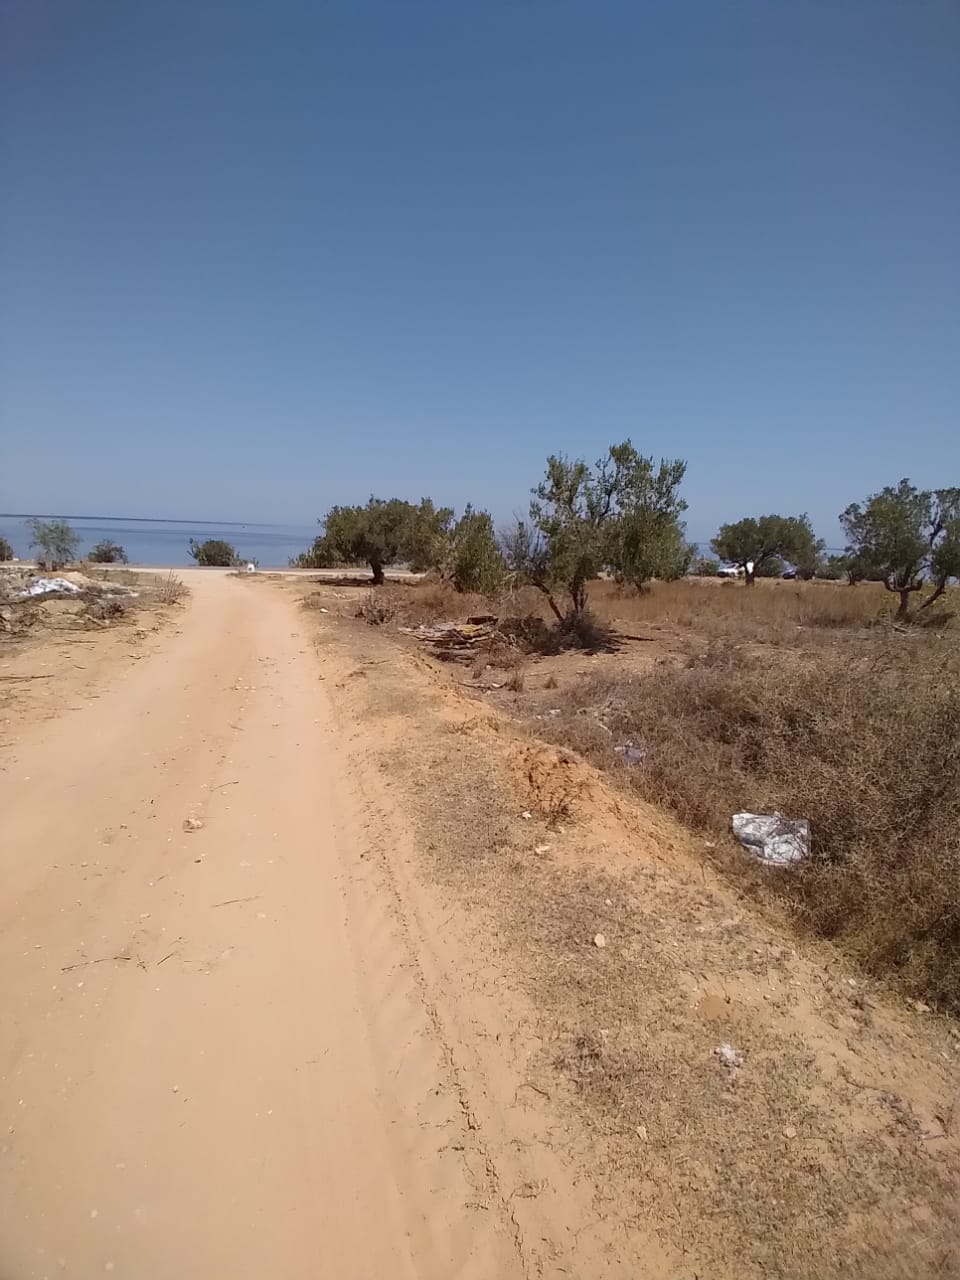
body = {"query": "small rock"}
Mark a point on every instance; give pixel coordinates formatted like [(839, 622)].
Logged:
[(789, 1131), (192, 824), (527, 815), (599, 940), (729, 1056), (642, 1132)]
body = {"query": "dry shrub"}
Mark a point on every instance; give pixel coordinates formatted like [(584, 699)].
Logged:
[(516, 682), (497, 654), (533, 634), (169, 590), (102, 609), (376, 609), (867, 749), (528, 631)]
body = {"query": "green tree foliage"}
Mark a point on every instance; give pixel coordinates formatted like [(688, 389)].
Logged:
[(751, 542), (426, 540), (55, 542), (321, 555), (381, 533), (6, 551), (833, 568), (214, 553), (107, 552), (475, 562), (773, 567), (622, 515), (646, 538), (906, 537)]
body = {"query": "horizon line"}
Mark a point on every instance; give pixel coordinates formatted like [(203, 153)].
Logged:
[(229, 524)]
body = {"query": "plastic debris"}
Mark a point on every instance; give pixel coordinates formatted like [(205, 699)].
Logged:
[(773, 838), (730, 1057), (599, 940), (251, 567), (48, 587), (192, 824), (631, 754)]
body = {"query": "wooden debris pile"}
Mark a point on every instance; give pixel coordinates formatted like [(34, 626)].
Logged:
[(460, 636)]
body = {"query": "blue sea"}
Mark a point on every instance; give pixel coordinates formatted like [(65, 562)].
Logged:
[(167, 542)]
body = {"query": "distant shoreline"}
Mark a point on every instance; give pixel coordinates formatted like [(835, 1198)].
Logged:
[(214, 524)]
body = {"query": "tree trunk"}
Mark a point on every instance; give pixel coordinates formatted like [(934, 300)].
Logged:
[(904, 593), (578, 596), (542, 586), (938, 592), (378, 577)]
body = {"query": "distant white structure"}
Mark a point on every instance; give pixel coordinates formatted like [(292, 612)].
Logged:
[(251, 567)]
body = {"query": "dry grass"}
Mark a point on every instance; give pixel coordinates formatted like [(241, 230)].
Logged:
[(721, 606), (376, 608), (169, 589), (866, 747)]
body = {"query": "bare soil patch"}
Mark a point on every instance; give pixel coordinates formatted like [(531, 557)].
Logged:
[(55, 651)]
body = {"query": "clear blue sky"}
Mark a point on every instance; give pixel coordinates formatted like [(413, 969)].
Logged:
[(258, 258)]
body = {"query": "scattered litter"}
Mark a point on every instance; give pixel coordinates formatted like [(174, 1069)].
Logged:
[(730, 1057), (920, 1006), (554, 711), (641, 1132), (48, 587), (789, 1131), (541, 849), (599, 940), (631, 754), (192, 824), (526, 815), (324, 610), (773, 838), (251, 567)]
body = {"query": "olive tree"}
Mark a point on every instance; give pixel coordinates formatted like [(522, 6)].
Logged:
[(214, 553), (107, 552), (55, 542), (621, 515), (906, 537), (753, 542), (474, 561), (380, 533)]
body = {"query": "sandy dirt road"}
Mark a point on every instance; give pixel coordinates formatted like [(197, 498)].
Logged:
[(215, 1059)]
